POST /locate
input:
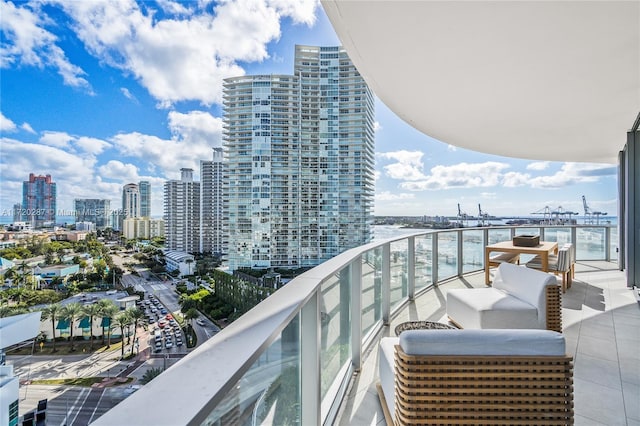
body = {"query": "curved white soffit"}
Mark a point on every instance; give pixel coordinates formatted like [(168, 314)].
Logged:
[(546, 80)]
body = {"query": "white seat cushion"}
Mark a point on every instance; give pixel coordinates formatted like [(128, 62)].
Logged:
[(483, 342), (490, 308), (386, 354)]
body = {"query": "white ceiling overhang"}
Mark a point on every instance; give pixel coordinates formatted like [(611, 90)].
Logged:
[(545, 80)]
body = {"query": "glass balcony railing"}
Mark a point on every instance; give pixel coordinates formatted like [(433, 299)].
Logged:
[(290, 359)]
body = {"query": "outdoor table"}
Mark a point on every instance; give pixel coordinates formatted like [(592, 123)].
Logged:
[(543, 250)]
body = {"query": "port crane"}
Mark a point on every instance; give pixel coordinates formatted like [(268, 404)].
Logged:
[(462, 217), (558, 216), (589, 214), (483, 217)]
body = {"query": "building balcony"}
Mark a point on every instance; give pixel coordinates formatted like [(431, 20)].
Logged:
[(308, 354)]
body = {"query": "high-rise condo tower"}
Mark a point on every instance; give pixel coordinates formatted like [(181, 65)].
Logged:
[(300, 153)]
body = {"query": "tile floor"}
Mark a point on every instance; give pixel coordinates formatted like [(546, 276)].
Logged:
[(601, 322)]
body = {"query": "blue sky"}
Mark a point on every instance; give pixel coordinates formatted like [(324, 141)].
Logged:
[(100, 94)]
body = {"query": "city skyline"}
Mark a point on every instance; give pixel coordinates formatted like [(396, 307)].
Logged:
[(98, 106)]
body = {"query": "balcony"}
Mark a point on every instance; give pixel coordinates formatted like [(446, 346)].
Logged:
[(307, 354)]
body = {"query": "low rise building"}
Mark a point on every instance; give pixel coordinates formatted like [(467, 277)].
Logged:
[(179, 260)]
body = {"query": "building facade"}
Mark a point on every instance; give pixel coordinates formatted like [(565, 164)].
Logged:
[(145, 198), (38, 201), (130, 201), (300, 162), (182, 213), (93, 210), (212, 239)]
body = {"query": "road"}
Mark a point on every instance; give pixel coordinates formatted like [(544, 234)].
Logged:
[(79, 406)]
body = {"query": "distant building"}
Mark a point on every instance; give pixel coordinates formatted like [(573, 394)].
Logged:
[(179, 260), (135, 227), (39, 201), (299, 153), (142, 228), (130, 201), (182, 213), (156, 228), (14, 329), (17, 212), (92, 210), (145, 198), (212, 238), (86, 226)]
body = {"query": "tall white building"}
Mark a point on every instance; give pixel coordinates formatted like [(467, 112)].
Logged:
[(182, 213), (211, 204), (130, 201), (300, 162)]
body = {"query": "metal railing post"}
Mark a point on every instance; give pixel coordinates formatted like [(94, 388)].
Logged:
[(310, 361), (411, 266)]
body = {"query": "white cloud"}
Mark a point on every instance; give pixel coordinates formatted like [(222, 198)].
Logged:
[(127, 94), (574, 173), (119, 171), (538, 165), (408, 165), (6, 125), (377, 126), (91, 146), (463, 175), (173, 7), (169, 155), (196, 127), (489, 195), (391, 196), (515, 179), (452, 148), (27, 128), (28, 43), (185, 56), (57, 139)]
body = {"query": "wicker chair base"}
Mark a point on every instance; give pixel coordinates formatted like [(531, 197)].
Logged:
[(491, 390)]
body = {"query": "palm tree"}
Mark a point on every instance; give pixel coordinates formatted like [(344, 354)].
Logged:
[(150, 374), (136, 315), (191, 314), (52, 312), (108, 310), (122, 321), (11, 274), (92, 311), (71, 313), (189, 262)]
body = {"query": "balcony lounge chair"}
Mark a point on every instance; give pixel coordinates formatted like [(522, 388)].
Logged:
[(457, 377), (563, 263), (519, 298)]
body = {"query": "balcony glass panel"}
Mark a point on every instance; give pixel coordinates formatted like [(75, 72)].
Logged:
[(399, 266), (498, 235), (269, 392), (371, 289), (614, 244), (591, 243), (472, 250), (447, 255), (528, 230), (424, 261), (559, 235), (335, 341)]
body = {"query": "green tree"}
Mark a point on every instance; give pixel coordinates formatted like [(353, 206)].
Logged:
[(150, 374), (108, 310), (189, 262), (72, 313), (92, 311), (122, 321), (136, 316), (52, 312)]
